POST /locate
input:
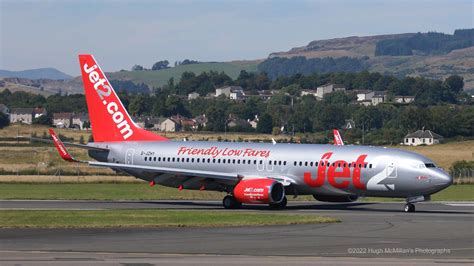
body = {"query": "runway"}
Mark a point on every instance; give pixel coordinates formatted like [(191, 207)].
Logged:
[(436, 233)]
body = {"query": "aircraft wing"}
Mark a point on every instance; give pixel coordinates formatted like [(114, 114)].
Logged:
[(166, 170), (69, 144)]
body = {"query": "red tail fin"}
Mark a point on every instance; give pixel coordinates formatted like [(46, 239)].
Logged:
[(109, 119), (337, 138)]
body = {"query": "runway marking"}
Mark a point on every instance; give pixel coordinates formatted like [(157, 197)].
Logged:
[(461, 204)]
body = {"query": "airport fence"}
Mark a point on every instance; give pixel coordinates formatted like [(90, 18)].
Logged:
[(463, 175)]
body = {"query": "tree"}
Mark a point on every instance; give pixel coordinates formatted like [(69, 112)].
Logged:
[(265, 124), (454, 83), (160, 65), (4, 121), (137, 68)]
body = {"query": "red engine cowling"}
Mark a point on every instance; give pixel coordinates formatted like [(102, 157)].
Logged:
[(259, 191)]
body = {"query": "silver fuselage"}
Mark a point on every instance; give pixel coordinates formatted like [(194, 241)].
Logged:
[(310, 168)]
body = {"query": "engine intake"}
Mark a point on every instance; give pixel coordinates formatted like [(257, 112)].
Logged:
[(259, 191), (345, 198)]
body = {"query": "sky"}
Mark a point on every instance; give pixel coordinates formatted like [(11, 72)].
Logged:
[(35, 34)]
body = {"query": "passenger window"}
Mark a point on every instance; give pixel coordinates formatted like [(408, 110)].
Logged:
[(187, 160), (370, 165), (305, 163), (301, 163), (316, 164), (238, 161), (261, 162), (254, 161), (208, 160), (270, 162), (284, 162), (197, 160), (233, 161), (145, 159), (218, 160), (279, 162), (223, 160), (214, 160), (294, 163), (192, 160)]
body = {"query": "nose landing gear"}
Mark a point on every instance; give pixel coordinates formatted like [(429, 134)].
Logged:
[(409, 207)]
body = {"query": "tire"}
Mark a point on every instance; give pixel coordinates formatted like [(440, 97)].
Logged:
[(409, 207), (230, 202)]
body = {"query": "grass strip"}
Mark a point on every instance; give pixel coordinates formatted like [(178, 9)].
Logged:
[(149, 218), (141, 191)]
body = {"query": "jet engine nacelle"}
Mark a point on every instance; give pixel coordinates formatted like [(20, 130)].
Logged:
[(345, 198), (259, 191)]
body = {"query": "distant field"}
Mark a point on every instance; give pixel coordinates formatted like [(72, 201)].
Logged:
[(148, 218), (161, 77), (141, 191)]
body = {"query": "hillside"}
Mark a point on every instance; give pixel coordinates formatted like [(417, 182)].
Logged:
[(161, 77), (438, 66), (39, 73)]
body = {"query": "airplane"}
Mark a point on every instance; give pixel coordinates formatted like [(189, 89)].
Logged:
[(250, 173)]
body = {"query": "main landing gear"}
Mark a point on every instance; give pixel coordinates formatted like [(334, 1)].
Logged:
[(230, 202)]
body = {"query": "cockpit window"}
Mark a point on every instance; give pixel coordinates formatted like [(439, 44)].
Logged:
[(430, 165)]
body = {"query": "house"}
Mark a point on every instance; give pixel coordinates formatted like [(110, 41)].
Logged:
[(365, 95), (169, 125), (265, 95), (193, 96), (422, 137), (328, 88), (70, 120), (231, 92), (365, 102), (155, 122), (237, 122), (349, 124), (253, 123), (39, 111), (379, 97), (404, 99), (62, 120), (201, 121), (4, 109), (309, 92), (25, 115), (188, 124), (78, 120)]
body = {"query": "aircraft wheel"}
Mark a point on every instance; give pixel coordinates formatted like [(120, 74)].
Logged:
[(229, 202), (409, 207)]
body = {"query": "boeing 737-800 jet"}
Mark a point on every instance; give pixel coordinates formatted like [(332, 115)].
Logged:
[(251, 173)]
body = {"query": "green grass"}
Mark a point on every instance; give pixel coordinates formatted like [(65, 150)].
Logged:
[(141, 191), (148, 218), (161, 77)]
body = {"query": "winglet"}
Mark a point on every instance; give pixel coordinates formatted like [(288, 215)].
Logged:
[(61, 148), (337, 138)]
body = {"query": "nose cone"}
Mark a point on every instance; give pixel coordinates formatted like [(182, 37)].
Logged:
[(442, 179)]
